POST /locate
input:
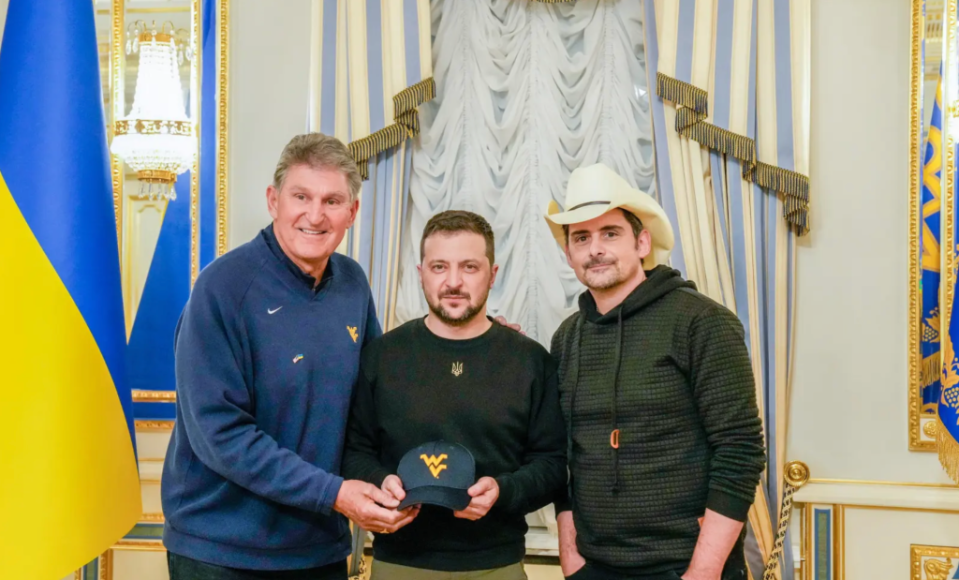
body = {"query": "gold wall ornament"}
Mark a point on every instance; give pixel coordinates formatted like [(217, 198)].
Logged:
[(933, 562)]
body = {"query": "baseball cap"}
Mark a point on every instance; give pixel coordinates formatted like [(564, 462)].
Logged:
[(437, 473)]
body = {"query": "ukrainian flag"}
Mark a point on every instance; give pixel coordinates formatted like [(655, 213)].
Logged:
[(68, 474), (929, 248)]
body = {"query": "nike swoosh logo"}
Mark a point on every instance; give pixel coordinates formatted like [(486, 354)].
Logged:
[(273, 311)]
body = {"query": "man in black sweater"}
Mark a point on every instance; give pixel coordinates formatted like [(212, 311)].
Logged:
[(666, 444), (456, 376)]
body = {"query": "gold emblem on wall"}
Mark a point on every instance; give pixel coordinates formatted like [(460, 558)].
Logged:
[(934, 562)]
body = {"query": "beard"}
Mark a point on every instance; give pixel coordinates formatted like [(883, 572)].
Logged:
[(610, 278), (469, 313)]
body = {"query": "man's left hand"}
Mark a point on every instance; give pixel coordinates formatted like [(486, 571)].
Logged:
[(514, 326), (484, 492)]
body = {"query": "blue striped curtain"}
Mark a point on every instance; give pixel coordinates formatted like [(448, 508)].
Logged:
[(751, 57), (369, 51)]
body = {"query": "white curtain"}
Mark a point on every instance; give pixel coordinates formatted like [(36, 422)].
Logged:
[(526, 92)]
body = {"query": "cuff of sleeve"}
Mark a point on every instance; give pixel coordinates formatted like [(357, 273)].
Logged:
[(562, 502), (328, 497), (507, 493), (728, 505)]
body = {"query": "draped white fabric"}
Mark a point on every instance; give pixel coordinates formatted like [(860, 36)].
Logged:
[(526, 92)]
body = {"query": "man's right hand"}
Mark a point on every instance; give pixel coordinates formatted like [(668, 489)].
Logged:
[(371, 508), (570, 561)]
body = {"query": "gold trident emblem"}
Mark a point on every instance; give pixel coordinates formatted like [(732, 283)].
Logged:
[(457, 369), (435, 464), (352, 331)]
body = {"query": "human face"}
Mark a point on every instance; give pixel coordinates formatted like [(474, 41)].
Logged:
[(456, 276), (311, 214), (605, 253)]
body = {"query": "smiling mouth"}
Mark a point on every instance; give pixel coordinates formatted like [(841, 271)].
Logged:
[(313, 232)]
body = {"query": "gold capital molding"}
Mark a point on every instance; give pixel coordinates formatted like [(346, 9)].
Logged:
[(140, 396)]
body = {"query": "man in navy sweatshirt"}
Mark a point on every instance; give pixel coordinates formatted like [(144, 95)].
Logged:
[(267, 352)]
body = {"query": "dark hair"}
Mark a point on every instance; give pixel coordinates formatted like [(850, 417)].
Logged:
[(630, 217), (452, 221)]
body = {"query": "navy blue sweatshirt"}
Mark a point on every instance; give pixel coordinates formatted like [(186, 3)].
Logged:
[(265, 367)]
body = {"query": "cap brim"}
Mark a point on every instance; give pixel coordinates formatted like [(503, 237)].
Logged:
[(448, 497)]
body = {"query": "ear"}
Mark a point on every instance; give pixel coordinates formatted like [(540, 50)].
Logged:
[(272, 201), (354, 210), (493, 272), (644, 244)]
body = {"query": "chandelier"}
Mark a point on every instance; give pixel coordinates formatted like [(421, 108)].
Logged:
[(156, 138)]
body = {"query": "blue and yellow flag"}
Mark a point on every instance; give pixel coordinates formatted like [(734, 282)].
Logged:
[(930, 257), (68, 475)]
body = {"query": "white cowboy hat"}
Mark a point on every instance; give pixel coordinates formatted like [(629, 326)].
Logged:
[(597, 189)]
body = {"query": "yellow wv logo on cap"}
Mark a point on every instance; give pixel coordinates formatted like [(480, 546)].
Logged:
[(435, 464)]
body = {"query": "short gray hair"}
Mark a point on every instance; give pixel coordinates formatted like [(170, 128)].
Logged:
[(318, 151)]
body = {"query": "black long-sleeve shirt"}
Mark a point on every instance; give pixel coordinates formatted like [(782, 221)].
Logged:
[(496, 395)]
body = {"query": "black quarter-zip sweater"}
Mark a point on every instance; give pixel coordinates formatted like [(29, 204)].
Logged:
[(670, 370)]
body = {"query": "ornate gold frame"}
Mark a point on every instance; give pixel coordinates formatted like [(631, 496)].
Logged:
[(916, 78)]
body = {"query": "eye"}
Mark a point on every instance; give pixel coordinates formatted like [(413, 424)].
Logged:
[(300, 196), (438, 267), (611, 235), (579, 239), (471, 268), (333, 201)]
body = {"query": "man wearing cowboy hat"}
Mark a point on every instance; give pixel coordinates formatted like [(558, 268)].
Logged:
[(665, 440)]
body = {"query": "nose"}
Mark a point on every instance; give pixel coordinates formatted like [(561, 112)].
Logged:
[(596, 248), (316, 213), (454, 278)]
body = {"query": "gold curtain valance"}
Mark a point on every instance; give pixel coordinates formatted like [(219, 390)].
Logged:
[(691, 112), (406, 125)]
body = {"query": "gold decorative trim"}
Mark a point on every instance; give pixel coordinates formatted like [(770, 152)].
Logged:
[(150, 10), (139, 546), (117, 56), (691, 123), (406, 125), (850, 506), (933, 571), (152, 518), (106, 565), (153, 127), (140, 396), (222, 94), (156, 176), (154, 37), (839, 542), (196, 35), (152, 426), (78, 575), (871, 482), (916, 443)]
